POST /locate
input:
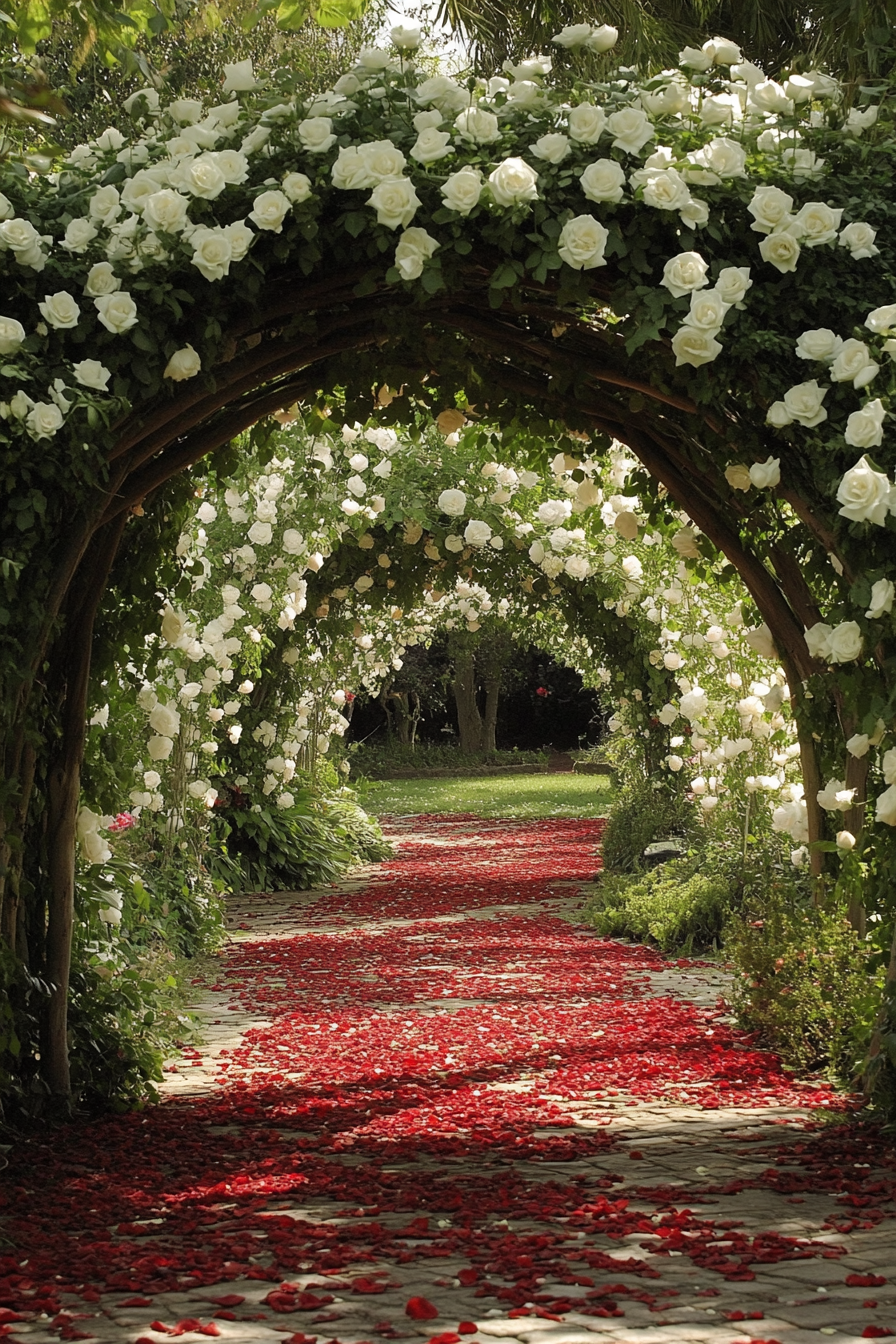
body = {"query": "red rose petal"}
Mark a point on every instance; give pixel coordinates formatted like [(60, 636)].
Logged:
[(420, 1309)]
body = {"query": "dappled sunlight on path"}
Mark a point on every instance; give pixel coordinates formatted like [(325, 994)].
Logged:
[(433, 1107)]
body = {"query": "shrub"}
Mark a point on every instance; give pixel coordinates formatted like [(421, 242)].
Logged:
[(673, 905), (805, 984), (644, 811)]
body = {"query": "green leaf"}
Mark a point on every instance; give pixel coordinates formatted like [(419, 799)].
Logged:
[(355, 223), (339, 13), (291, 14)]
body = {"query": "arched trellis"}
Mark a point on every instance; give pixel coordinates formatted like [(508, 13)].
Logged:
[(517, 337), (511, 351)]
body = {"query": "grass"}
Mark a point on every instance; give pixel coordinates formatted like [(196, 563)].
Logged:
[(515, 796)]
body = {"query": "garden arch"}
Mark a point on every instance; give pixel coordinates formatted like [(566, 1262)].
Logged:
[(639, 260)]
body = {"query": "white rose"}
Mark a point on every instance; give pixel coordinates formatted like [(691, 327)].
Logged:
[(453, 503), (12, 334), (769, 96), (350, 172), (395, 201), (551, 148), (695, 58), (692, 346), (148, 100), (860, 119), (803, 404), (724, 157), (694, 704), (602, 39), (241, 238), (818, 640), (383, 161), (858, 237), (166, 211), (885, 807), (771, 208), (477, 126), (159, 748), (269, 210), (186, 111), (296, 187), (666, 190), (104, 205), (865, 428), (573, 35), (766, 474), (577, 567), (554, 511), (431, 145), (866, 495), (19, 236), (780, 250), (733, 283), (707, 311), (415, 246), (632, 568), (91, 373), (513, 182), (117, 312), (60, 310), (406, 36), (882, 320), (203, 177), (462, 190), (183, 364), (316, 134), (820, 343), (165, 720), (888, 766), (43, 420), (882, 594), (803, 163), (260, 534), (445, 93), (760, 641), (738, 476), (212, 252), (603, 180), (854, 364), (819, 223), (582, 242), (101, 279), (477, 533), (78, 235), (238, 77), (845, 643), (586, 123), (631, 129), (684, 273)]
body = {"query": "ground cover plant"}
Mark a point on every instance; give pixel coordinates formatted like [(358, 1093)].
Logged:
[(516, 796)]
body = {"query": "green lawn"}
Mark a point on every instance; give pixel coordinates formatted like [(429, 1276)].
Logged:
[(502, 796)]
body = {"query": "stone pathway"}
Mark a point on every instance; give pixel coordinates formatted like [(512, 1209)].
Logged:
[(651, 1161)]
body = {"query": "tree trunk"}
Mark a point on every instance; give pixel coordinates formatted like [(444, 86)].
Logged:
[(469, 720), (490, 718), (63, 799)]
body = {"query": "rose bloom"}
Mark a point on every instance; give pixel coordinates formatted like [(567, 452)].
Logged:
[(316, 134), (684, 273), (183, 364), (771, 208), (396, 202), (270, 210), (60, 310), (865, 428), (885, 807), (117, 312), (765, 475), (477, 533), (586, 123), (882, 319), (845, 643), (431, 145), (882, 595), (692, 346), (166, 210), (513, 182), (820, 343), (738, 476), (552, 148), (666, 190), (582, 242), (415, 246), (819, 223), (453, 503), (91, 373), (631, 129), (733, 282), (854, 364), (43, 420), (707, 311), (603, 180), (866, 495), (478, 126), (781, 250), (296, 187), (859, 238), (12, 334), (78, 235), (212, 252), (462, 190)]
